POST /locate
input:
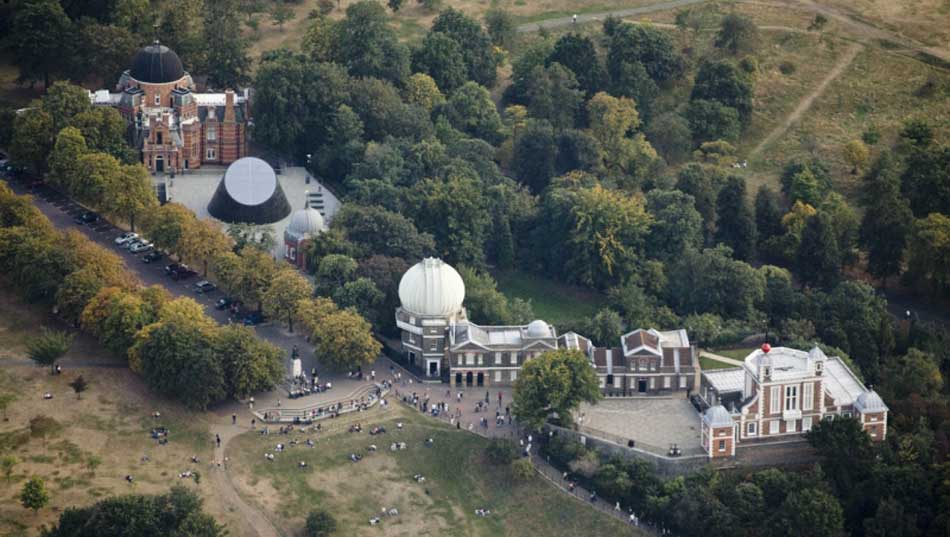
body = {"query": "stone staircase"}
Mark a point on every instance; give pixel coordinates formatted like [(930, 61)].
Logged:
[(365, 394)]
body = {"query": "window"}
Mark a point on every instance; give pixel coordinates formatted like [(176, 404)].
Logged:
[(722, 445), (480, 358), (497, 376), (791, 398), (652, 383), (610, 381), (469, 359), (808, 396), (211, 154), (514, 376), (412, 338), (497, 358), (666, 383), (602, 382), (790, 426), (774, 395), (514, 358), (773, 427), (846, 414), (212, 134), (158, 99), (806, 424), (750, 428), (683, 382), (158, 137)]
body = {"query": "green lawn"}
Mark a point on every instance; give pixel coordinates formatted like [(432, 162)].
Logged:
[(458, 480), (735, 354), (552, 301), (709, 363)]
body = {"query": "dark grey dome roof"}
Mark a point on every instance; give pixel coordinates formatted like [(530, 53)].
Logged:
[(249, 192), (156, 64)]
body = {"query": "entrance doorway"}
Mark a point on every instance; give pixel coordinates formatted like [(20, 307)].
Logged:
[(468, 378), (642, 385), (159, 164), (458, 379), (481, 379), (433, 369)]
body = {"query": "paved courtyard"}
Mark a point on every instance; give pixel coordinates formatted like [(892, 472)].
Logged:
[(195, 189), (653, 423)]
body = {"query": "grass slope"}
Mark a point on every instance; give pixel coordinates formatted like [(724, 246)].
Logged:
[(551, 300), (458, 481)]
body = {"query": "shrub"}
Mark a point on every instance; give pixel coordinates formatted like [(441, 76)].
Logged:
[(787, 68), (501, 451), (522, 469), (320, 523)]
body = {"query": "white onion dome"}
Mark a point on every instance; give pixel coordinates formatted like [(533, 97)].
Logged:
[(538, 328), (432, 287), (304, 223), (870, 402), (717, 416)]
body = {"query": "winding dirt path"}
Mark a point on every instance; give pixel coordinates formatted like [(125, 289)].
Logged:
[(805, 104), (223, 484)]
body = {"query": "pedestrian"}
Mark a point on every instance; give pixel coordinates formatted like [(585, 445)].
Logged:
[(574, 19), (486, 397), (217, 440), (278, 403), (499, 399), (253, 422), (233, 419), (250, 403)]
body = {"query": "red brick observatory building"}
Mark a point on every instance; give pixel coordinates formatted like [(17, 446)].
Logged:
[(175, 128)]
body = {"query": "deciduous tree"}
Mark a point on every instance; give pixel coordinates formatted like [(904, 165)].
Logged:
[(440, 57), (49, 347), (129, 193), (474, 42), (38, 28), (202, 241), (79, 385), (555, 382), (344, 340), (735, 225), (286, 290), (250, 364)]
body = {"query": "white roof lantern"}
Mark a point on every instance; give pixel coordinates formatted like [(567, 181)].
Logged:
[(538, 328), (307, 222), (870, 401), (432, 287), (717, 416)]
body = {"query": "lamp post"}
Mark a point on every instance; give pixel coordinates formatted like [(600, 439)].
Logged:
[(308, 167)]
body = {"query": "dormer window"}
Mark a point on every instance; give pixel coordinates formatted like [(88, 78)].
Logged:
[(818, 366), (767, 371)]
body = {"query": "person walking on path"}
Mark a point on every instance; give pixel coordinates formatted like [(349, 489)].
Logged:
[(499, 399), (217, 439), (233, 419)]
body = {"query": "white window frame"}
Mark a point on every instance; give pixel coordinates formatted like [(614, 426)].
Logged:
[(750, 429), (212, 134), (773, 427), (469, 358), (514, 376), (791, 426), (514, 358), (682, 381), (497, 358), (775, 405), (158, 99), (722, 445), (808, 396), (211, 154), (652, 383), (791, 397), (806, 424), (479, 358), (666, 383), (497, 375)]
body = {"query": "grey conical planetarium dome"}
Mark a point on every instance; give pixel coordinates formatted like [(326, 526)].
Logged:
[(250, 193)]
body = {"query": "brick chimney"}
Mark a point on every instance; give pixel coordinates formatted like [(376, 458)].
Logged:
[(229, 106)]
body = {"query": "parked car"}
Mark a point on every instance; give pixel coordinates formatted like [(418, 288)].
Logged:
[(87, 217), (140, 246), (253, 318), (204, 286), (183, 273), (126, 237), (173, 268), (154, 255), (223, 303)]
